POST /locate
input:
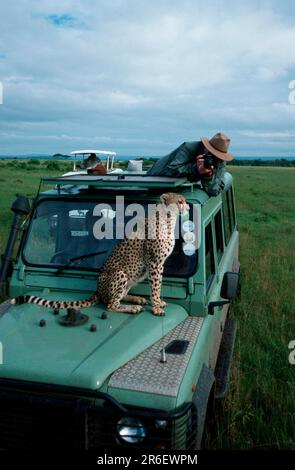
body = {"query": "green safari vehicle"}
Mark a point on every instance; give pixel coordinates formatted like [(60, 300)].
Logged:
[(95, 379)]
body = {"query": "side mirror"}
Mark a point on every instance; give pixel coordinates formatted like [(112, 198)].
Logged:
[(230, 285)]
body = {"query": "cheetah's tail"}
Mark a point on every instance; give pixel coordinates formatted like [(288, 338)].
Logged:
[(31, 299)]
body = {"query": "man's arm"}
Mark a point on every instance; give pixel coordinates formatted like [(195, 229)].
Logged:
[(179, 163), (183, 162), (214, 184)]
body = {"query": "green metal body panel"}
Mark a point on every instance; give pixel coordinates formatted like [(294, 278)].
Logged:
[(74, 356)]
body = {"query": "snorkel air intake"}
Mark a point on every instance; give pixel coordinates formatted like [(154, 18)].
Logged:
[(20, 207)]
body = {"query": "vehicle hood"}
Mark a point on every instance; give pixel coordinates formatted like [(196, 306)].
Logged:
[(74, 355)]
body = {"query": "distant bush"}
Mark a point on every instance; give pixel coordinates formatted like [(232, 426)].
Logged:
[(121, 164), (33, 161), (53, 166), (27, 167), (66, 166)]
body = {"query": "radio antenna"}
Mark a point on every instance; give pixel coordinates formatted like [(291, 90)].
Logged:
[(163, 352)]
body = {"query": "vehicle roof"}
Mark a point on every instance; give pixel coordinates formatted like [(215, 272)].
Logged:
[(76, 184), (126, 178), (102, 152), (126, 181)]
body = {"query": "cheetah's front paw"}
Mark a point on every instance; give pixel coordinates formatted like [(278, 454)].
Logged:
[(135, 309), (158, 311)]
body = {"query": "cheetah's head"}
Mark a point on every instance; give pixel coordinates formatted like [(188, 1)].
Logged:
[(175, 202)]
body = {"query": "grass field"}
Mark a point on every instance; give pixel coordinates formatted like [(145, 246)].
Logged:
[(259, 411)]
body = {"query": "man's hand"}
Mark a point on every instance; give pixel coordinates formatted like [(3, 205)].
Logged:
[(202, 170)]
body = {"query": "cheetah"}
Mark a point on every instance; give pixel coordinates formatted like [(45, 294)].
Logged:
[(134, 259)]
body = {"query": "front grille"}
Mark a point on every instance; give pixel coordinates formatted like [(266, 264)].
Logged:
[(31, 419)]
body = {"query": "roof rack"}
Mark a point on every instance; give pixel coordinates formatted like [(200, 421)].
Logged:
[(100, 152), (119, 179)]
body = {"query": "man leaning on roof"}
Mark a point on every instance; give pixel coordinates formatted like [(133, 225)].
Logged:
[(194, 160)]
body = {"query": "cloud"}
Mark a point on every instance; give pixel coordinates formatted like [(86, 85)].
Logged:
[(147, 75), (263, 135)]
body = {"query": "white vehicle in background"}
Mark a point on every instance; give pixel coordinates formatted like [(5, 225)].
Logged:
[(106, 158)]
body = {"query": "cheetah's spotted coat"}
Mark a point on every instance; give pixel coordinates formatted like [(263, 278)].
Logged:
[(133, 260)]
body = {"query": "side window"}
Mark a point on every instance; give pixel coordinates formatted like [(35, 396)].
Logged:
[(226, 218), (218, 235), (231, 208), (228, 214), (209, 256)]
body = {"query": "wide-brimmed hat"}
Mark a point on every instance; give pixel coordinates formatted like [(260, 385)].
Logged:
[(218, 145)]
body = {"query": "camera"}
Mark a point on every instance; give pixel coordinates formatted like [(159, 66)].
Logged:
[(210, 160)]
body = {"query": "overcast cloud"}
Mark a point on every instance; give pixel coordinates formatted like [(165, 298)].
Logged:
[(141, 77)]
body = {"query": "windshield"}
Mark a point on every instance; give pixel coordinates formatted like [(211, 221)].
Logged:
[(82, 235)]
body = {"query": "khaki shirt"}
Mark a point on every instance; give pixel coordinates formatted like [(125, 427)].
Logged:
[(181, 162)]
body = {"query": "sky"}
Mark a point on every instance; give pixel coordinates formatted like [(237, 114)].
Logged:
[(140, 77)]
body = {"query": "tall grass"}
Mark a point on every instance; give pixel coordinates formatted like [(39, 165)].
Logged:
[(259, 412)]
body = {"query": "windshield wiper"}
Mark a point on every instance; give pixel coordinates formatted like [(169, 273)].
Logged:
[(72, 260)]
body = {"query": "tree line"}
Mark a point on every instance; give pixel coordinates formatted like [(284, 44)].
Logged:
[(264, 162)]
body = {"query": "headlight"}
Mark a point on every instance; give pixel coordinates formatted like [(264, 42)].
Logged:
[(161, 424), (131, 430)]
